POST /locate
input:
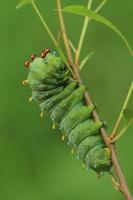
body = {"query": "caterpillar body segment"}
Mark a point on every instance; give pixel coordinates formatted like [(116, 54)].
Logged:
[(78, 114), (94, 161), (66, 104), (87, 144), (51, 102), (85, 129), (40, 96), (60, 97)]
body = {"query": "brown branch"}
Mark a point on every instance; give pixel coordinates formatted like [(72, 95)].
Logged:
[(123, 186), (63, 32)]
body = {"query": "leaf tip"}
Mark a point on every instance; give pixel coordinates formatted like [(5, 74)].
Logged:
[(23, 3)]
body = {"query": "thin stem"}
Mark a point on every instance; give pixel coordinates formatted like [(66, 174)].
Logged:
[(101, 5), (114, 132), (45, 25), (84, 29), (63, 32), (58, 37), (84, 61), (122, 131), (72, 46), (82, 36)]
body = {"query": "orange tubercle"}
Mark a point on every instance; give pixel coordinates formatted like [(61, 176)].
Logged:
[(45, 52), (27, 63), (33, 56)]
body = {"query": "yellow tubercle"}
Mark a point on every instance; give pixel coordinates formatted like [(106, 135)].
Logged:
[(53, 126), (107, 151), (63, 137), (24, 82), (98, 175), (42, 114), (72, 151), (83, 165), (30, 99)]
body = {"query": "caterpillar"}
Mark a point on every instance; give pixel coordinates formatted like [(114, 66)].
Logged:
[(61, 98)]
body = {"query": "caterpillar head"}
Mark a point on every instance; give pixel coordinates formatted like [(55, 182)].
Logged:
[(40, 66)]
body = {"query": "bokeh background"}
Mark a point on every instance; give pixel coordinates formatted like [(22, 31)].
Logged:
[(34, 163)]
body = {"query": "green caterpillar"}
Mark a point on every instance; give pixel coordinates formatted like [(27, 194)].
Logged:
[(60, 97)]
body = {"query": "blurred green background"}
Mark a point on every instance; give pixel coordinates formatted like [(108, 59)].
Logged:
[(34, 163)]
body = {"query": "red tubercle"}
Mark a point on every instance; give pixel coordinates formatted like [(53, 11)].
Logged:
[(44, 53), (33, 56), (27, 64), (46, 50)]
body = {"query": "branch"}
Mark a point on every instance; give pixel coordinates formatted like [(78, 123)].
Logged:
[(64, 34), (123, 186)]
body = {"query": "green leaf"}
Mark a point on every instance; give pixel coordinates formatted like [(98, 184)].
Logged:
[(83, 11), (128, 114), (23, 3)]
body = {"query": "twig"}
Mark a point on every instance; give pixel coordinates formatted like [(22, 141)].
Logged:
[(58, 37), (114, 132), (44, 24), (101, 5), (123, 186), (84, 29), (72, 46), (64, 34), (122, 131), (84, 61), (82, 36)]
